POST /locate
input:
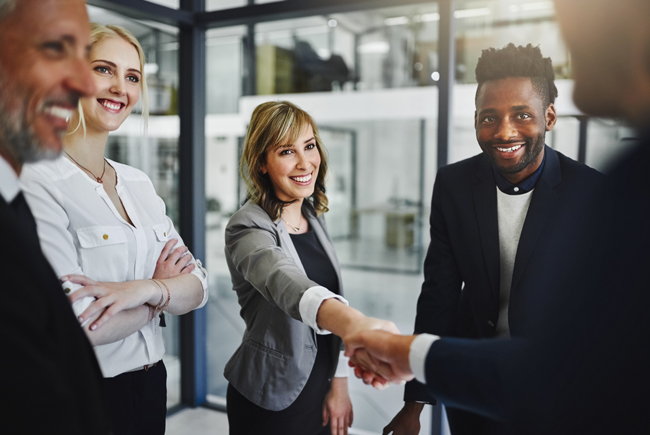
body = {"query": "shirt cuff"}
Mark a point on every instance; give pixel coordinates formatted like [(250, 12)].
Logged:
[(342, 369), (202, 274), (81, 305), (418, 355), (310, 303)]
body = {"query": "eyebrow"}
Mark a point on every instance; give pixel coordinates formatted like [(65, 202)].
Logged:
[(114, 65), (289, 145), (512, 109)]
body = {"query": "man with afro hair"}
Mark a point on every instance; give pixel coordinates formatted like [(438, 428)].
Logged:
[(508, 225)]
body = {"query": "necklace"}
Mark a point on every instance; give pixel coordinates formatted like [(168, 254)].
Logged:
[(99, 179), (296, 229)]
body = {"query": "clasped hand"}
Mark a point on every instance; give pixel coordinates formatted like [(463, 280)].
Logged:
[(379, 357), (113, 297)]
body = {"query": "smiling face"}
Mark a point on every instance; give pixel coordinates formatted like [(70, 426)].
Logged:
[(43, 72), (293, 167), (511, 124), (116, 69)]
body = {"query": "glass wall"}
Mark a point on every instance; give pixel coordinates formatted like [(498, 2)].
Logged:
[(367, 80), (155, 153)]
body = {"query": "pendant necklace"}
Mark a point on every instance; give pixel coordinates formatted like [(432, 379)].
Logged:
[(99, 179), (296, 229)]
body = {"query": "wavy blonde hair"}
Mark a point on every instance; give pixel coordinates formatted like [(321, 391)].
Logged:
[(100, 32), (272, 124)]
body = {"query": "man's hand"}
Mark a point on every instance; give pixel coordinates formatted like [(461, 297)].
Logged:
[(389, 354), (407, 420), (337, 407)]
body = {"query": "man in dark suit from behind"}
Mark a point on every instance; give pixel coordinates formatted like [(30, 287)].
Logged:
[(519, 219), (50, 381)]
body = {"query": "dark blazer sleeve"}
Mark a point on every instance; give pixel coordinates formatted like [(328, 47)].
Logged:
[(440, 295)]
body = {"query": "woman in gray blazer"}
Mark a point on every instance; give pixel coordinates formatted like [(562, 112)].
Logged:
[(289, 375)]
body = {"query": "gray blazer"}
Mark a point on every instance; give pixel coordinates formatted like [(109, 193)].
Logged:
[(271, 366)]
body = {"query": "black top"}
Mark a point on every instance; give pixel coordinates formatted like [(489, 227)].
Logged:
[(304, 415)]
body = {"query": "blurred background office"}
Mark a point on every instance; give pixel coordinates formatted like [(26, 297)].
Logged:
[(391, 85)]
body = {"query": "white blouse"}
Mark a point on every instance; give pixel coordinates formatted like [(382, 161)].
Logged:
[(81, 232)]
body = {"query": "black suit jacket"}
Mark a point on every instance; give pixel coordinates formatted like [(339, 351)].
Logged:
[(586, 366), (460, 294), (50, 381)]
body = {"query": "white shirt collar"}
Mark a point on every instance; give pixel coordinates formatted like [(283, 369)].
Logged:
[(9, 186)]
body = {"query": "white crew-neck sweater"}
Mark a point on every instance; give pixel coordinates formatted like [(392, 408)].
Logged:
[(511, 213)]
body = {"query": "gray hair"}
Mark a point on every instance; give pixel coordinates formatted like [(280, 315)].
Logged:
[(6, 7)]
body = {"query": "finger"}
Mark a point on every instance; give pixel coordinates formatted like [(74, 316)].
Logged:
[(78, 279), (166, 250), (86, 292), (95, 308), (351, 417), (188, 269), (106, 316), (183, 261), (334, 426), (177, 254), (326, 415)]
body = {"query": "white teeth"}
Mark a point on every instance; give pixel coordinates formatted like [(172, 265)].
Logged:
[(509, 150), (110, 105), (304, 179), (59, 112)]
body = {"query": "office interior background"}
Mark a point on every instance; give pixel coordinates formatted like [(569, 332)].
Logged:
[(391, 85)]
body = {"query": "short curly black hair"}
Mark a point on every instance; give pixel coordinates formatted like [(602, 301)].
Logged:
[(512, 61)]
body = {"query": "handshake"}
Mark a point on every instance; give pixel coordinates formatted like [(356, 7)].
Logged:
[(379, 354)]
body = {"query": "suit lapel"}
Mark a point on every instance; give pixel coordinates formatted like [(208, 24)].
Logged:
[(540, 210), (485, 205)]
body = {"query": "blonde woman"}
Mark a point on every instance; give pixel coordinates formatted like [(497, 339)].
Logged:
[(288, 376), (105, 232)]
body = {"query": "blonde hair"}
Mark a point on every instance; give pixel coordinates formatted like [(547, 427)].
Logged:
[(100, 32), (272, 124)]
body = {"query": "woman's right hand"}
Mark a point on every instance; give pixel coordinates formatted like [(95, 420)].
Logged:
[(112, 297), (173, 263)]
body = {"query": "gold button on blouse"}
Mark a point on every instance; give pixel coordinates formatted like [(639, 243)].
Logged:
[(105, 236), (67, 291), (165, 234)]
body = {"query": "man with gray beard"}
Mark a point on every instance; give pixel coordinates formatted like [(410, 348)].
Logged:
[(50, 379)]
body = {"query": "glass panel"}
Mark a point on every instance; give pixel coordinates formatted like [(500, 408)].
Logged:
[(157, 153), (382, 159), (607, 140), (212, 5), (175, 4), (495, 23)]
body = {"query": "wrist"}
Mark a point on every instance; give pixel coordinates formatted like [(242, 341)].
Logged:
[(155, 292), (338, 318), (414, 407)]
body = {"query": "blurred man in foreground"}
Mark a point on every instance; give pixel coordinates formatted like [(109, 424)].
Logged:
[(586, 368), (51, 382)]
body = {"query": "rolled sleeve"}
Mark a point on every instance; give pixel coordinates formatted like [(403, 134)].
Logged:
[(418, 355), (310, 303)]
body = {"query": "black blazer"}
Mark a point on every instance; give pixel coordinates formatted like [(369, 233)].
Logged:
[(587, 371), (460, 293), (50, 381)]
